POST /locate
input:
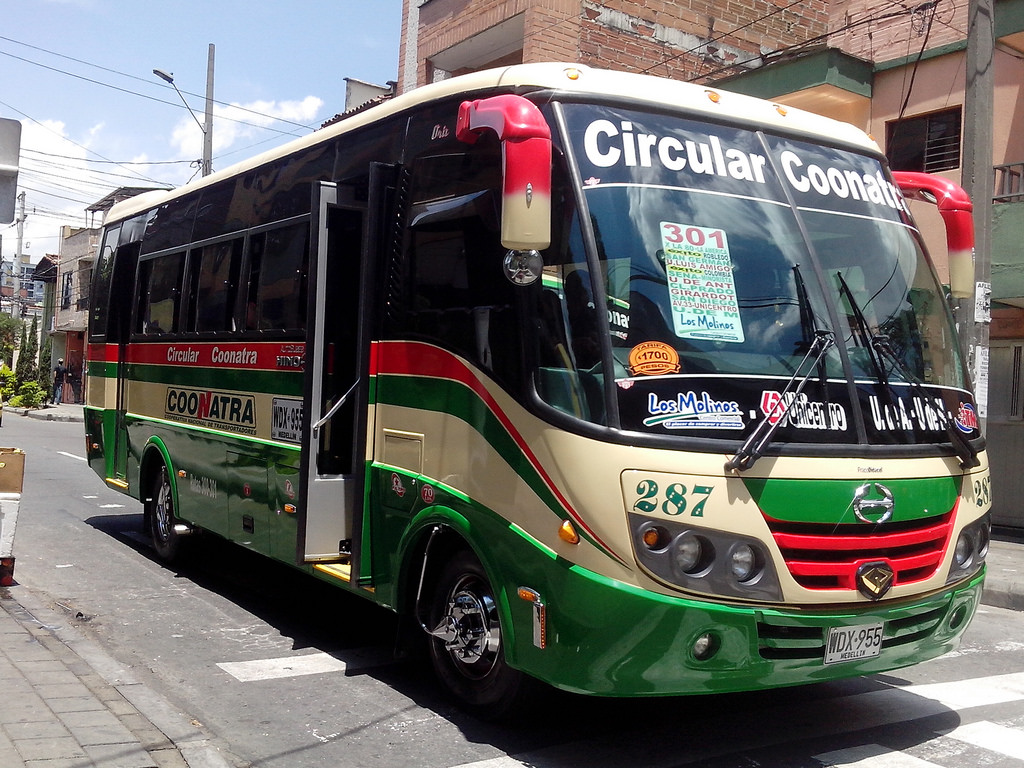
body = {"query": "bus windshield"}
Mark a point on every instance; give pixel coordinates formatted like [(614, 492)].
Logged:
[(722, 254)]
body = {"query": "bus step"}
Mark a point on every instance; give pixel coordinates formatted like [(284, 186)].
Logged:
[(342, 571)]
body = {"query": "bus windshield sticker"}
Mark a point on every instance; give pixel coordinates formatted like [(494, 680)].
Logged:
[(693, 410), (701, 290), (653, 358)]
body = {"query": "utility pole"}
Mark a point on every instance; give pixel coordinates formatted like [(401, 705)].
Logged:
[(208, 128), (978, 180), (16, 272)]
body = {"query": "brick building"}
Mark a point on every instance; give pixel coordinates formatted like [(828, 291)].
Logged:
[(682, 39)]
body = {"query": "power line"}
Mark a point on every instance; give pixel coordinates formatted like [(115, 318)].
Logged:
[(147, 96), (113, 162)]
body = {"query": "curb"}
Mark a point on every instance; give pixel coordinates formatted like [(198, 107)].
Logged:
[(50, 413)]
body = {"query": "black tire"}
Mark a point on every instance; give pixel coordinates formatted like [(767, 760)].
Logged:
[(160, 514), (466, 648)]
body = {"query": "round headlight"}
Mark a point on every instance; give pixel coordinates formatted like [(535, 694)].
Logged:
[(964, 550), (743, 562), (984, 537), (688, 553)]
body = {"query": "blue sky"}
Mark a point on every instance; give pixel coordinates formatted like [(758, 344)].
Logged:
[(78, 74)]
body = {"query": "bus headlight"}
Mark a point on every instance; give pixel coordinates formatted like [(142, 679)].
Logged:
[(692, 553), (971, 549), (704, 560), (963, 551), (744, 562)]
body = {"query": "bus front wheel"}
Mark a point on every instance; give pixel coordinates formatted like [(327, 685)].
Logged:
[(466, 647), (160, 514)]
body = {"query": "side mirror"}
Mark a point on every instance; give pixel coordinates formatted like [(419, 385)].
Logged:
[(955, 208), (526, 154)]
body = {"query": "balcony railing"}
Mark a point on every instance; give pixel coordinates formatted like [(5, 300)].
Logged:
[(1009, 183)]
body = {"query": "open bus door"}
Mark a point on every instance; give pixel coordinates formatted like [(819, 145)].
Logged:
[(337, 381)]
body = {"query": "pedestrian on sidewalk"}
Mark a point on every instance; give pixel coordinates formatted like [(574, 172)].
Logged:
[(60, 377)]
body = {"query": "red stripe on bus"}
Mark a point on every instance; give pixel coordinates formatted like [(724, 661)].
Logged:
[(106, 353), (234, 355)]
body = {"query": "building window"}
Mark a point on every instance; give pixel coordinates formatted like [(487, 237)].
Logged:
[(927, 143), (67, 290)]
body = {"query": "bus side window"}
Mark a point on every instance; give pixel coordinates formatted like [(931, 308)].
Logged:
[(103, 276), (251, 320), (160, 294), (215, 287), (461, 300), (281, 271)]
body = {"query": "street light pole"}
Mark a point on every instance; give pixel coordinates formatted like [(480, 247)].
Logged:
[(207, 129)]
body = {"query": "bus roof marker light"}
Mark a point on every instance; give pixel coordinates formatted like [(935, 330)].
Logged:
[(781, 110), (567, 532), (573, 74), (714, 96)]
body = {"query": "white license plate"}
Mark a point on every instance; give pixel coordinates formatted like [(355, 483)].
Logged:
[(863, 641)]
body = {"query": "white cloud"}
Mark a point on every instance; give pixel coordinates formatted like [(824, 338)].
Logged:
[(238, 126)]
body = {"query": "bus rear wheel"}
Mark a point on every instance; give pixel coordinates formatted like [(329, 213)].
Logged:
[(466, 647), (160, 514)]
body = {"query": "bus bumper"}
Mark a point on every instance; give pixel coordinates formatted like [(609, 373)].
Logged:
[(607, 638)]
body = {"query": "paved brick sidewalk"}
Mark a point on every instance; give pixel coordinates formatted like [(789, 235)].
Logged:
[(64, 703)]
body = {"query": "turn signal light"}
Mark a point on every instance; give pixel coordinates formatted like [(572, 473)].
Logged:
[(568, 533)]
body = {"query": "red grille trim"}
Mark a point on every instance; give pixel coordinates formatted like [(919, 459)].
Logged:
[(821, 556)]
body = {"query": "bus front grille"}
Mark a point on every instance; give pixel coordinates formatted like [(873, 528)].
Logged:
[(825, 556)]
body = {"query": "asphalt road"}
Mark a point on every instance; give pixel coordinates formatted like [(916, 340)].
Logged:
[(287, 672)]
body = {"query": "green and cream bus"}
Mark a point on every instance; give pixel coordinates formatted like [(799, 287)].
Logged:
[(629, 386)]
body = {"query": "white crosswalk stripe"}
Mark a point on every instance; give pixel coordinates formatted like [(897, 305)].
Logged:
[(992, 737)]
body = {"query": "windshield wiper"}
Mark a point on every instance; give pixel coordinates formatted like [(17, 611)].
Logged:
[(965, 450), (753, 447), (879, 349), (865, 334)]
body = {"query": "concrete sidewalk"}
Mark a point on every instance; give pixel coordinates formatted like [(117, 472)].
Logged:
[(65, 703), (62, 412)]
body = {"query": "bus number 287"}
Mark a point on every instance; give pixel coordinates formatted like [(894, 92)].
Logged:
[(675, 500)]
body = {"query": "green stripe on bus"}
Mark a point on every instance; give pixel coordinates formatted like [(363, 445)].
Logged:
[(831, 501), (269, 382)]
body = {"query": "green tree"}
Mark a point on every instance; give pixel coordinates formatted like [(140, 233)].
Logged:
[(7, 382), (27, 369), (10, 327), (45, 366)]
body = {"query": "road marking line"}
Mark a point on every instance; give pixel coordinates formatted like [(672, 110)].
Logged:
[(872, 756), (495, 762), (70, 455), (976, 692), (991, 736), (290, 666)]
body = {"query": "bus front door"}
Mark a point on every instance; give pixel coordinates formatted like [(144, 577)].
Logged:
[(334, 419)]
